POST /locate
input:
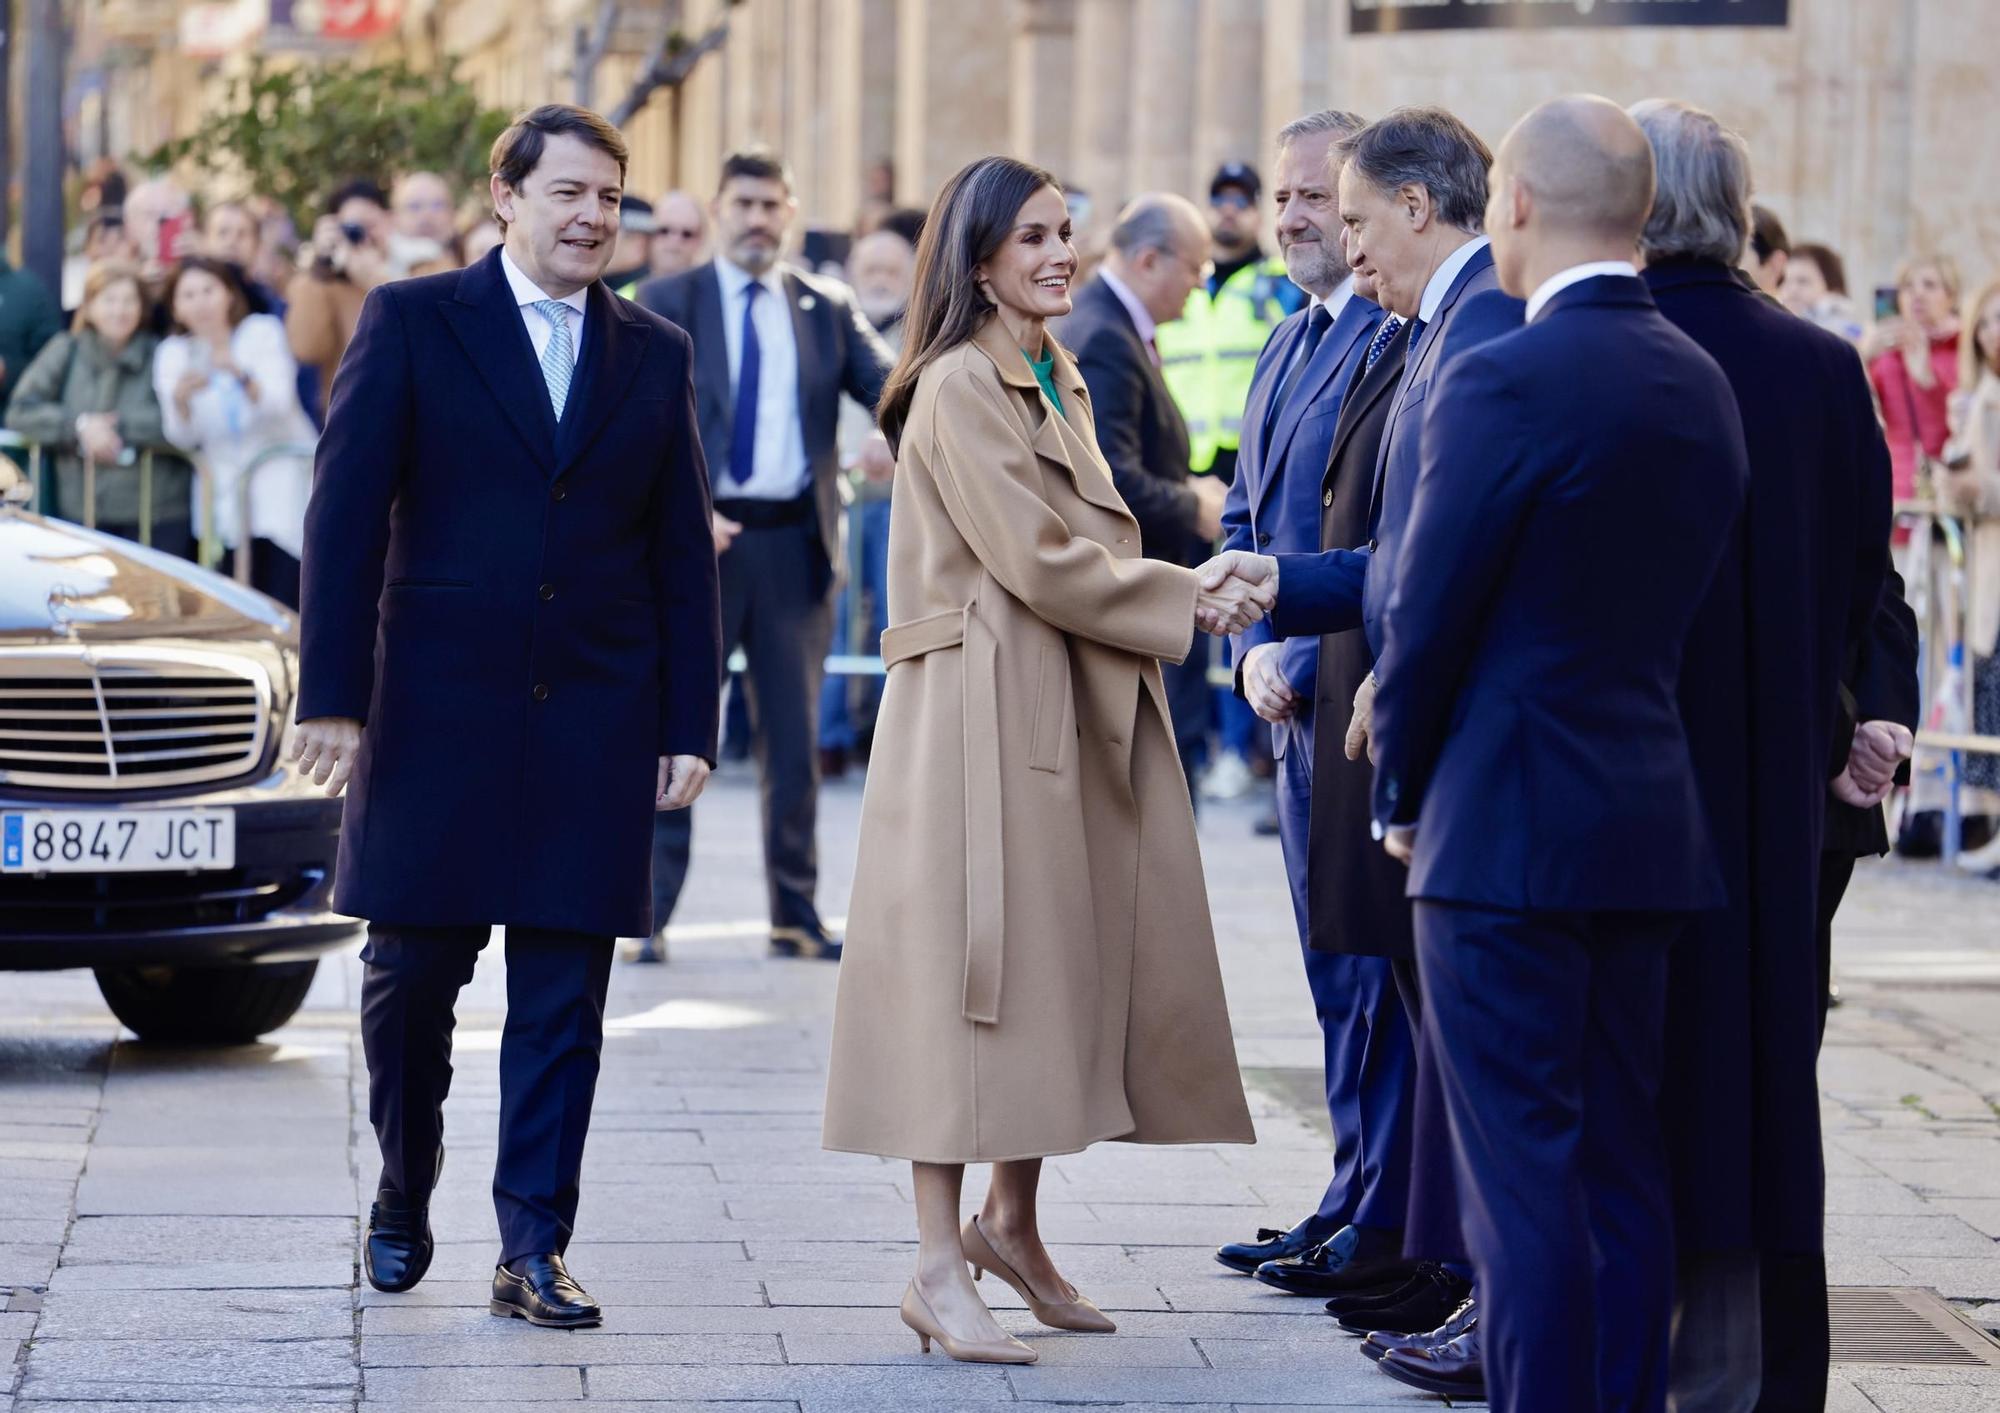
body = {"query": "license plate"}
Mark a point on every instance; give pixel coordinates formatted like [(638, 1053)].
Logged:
[(117, 841)]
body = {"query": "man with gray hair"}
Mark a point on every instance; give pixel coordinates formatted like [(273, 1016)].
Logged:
[(1159, 253), (1292, 425), (1786, 620)]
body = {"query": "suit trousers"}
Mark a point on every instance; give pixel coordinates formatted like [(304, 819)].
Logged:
[(1431, 1229), (777, 607), (1369, 1059), (549, 1054), (1549, 1032)]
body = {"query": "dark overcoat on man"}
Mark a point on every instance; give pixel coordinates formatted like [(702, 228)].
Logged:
[(1290, 426), (1791, 605), (1528, 728), (522, 614), (1144, 439)]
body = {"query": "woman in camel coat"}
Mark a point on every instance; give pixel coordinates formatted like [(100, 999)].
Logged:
[(1030, 967)]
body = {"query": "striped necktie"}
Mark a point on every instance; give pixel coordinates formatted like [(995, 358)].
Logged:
[(1384, 336), (559, 356)]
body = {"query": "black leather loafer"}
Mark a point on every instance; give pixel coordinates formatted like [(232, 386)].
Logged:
[(1348, 1261), (811, 943), (539, 1289), (396, 1249), (1452, 1369), (1270, 1245), (1426, 1305), (1380, 1342)]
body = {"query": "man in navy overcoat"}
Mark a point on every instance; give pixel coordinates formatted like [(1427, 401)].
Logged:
[(1294, 408), (510, 649), (1580, 482)]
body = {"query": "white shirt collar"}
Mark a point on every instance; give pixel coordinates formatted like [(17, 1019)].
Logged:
[(735, 279), (1440, 284), (526, 291), (1575, 274), (1141, 320), (1336, 303)]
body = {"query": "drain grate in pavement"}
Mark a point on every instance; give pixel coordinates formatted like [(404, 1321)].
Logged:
[(1901, 1325)]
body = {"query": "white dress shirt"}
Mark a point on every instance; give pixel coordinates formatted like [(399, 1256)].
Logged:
[(779, 470), (1440, 284), (1141, 320), (540, 331), (1562, 279)]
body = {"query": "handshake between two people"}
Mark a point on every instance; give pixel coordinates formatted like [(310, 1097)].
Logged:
[(1237, 590)]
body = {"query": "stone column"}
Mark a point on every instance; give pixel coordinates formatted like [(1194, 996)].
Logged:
[(951, 94), (1163, 90), (1101, 148), (860, 99), (1229, 90), (1299, 61), (1043, 89)]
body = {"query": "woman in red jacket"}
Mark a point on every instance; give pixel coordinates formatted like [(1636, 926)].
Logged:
[(1913, 364)]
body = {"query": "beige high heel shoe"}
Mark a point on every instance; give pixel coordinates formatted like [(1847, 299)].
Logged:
[(1076, 1313), (917, 1315)]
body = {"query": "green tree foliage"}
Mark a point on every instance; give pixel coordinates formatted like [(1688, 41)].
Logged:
[(296, 133)]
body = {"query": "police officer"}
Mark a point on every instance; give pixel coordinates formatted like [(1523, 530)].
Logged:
[(1210, 353)]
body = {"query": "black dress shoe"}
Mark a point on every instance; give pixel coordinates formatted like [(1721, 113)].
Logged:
[(650, 949), (1427, 1305), (1452, 1369), (397, 1248), (811, 943), (1270, 1245), (1351, 1259), (1380, 1342), (539, 1289)]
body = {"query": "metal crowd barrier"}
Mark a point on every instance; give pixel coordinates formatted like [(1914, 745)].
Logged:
[(1937, 563)]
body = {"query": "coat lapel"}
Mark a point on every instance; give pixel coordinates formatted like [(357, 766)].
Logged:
[(1371, 387), (808, 326), (1250, 460), (711, 351), (1055, 443), (1353, 323), (614, 344), (487, 322)]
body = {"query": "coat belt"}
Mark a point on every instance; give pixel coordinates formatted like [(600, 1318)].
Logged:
[(985, 877)]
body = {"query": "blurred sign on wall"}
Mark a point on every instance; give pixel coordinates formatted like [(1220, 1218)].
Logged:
[(1397, 16)]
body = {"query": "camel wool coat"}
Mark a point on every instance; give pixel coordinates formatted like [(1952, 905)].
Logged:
[(1030, 965)]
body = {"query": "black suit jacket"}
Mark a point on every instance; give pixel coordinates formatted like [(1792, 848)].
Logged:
[(522, 612), (839, 351), (1140, 430), (1354, 890)]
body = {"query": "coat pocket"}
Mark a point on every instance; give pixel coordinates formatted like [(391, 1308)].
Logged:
[(1051, 710)]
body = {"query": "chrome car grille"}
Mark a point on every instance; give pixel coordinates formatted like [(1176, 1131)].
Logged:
[(109, 718)]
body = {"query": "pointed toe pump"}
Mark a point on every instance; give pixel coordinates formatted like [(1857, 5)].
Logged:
[(1074, 1313), (917, 1315)]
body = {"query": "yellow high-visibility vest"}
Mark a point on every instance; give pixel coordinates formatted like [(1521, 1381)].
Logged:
[(1209, 355)]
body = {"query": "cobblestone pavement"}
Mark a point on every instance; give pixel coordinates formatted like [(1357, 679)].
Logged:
[(178, 1229)]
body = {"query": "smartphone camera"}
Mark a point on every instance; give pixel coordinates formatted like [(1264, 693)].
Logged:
[(354, 232)]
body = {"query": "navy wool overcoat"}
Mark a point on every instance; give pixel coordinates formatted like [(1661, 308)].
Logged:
[(522, 612)]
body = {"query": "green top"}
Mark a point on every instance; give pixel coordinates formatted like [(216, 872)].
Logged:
[(1045, 374)]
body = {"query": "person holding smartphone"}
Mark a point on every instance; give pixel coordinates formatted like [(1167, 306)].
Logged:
[(1913, 365)]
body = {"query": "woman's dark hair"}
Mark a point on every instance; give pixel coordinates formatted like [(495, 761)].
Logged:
[(360, 188), (971, 219), (232, 282), (518, 151), (1828, 262)]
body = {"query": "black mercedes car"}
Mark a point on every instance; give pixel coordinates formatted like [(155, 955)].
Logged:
[(151, 825)]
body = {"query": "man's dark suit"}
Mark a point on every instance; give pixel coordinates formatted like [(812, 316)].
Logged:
[(522, 612), (1341, 589), (1274, 505), (1144, 440), (1528, 723), (1791, 608), (777, 577)]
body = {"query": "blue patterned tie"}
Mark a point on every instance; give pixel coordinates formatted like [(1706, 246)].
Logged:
[(559, 357), (749, 368), (1384, 336)]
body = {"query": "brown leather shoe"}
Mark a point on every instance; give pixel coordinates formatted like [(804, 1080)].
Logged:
[(1453, 1369)]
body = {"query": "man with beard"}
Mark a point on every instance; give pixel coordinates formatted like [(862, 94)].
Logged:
[(775, 347), (1294, 426)]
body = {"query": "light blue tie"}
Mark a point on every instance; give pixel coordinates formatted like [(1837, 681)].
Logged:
[(559, 357)]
